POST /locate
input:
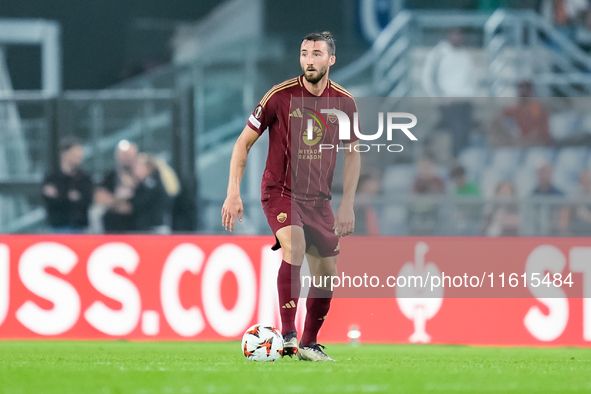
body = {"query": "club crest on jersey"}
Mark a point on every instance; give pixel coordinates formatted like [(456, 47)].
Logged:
[(282, 217), (332, 118)]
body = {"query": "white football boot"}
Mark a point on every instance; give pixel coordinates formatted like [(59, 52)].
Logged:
[(313, 352)]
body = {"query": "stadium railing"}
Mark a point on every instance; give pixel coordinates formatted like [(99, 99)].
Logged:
[(517, 44), (540, 52)]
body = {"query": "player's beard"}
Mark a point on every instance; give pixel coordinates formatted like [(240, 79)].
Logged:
[(315, 79)]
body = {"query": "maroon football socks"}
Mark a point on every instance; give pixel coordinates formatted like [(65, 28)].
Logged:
[(317, 305), (288, 284)]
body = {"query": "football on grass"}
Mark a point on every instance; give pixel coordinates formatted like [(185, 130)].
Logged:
[(262, 343)]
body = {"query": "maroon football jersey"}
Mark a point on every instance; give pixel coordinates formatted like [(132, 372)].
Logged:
[(296, 166)]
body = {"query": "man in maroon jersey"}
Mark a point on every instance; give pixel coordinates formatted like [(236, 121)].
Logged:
[(296, 185)]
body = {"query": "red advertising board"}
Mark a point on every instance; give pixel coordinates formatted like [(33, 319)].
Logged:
[(213, 288)]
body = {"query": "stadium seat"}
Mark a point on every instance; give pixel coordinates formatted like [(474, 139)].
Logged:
[(586, 124), (491, 178), (474, 159), (563, 124), (398, 178), (506, 159), (570, 160), (538, 155), (525, 181), (588, 163), (566, 183)]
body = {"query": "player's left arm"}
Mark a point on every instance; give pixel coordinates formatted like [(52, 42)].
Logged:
[(345, 218)]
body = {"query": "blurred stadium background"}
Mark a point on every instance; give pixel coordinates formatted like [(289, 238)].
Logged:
[(180, 80), (500, 89)]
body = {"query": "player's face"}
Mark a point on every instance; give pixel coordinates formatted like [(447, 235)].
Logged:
[(315, 60)]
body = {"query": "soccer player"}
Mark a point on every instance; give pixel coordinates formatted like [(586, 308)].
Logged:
[(296, 186)]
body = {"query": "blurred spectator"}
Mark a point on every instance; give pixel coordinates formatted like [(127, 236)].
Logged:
[(424, 214), (449, 68), (151, 203), (502, 217), (427, 181), (466, 214), (524, 124), (449, 72), (117, 189), (463, 187), (68, 192), (568, 15), (549, 217), (366, 216), (580, 223), (545, 186)]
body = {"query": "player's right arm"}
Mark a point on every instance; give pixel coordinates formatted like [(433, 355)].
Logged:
[(232, 207)]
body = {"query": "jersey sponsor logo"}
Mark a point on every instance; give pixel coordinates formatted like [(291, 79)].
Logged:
[(258, 111), (314, 133), (296, 114), (317, 131), (282, 217)]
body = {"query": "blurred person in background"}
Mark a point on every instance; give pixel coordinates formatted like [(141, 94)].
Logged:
[(449, 68), (118, 187), (556, 215), (502, 217), (151, 203), (466, 214), (580, 220), (544, 185), (569, 15), (366, 216), (462, 186), (449, 72), (427, 181), (68, 192), (424, 214), (524, 124)]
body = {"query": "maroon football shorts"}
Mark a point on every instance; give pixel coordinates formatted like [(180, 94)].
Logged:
[(317, 222)]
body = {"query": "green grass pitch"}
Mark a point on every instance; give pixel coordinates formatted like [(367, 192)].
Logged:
[(209, 367)]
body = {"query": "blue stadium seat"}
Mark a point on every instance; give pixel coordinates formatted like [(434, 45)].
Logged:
[(506, 159), (570, 160), (491, 178), (566, 183), (398, 178), (563, 124), (586, 123), (474, 160), (525, 181), (568, 165), (538, 155)]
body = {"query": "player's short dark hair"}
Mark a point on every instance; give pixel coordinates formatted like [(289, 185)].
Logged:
[(68, 142), (325, 36)]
